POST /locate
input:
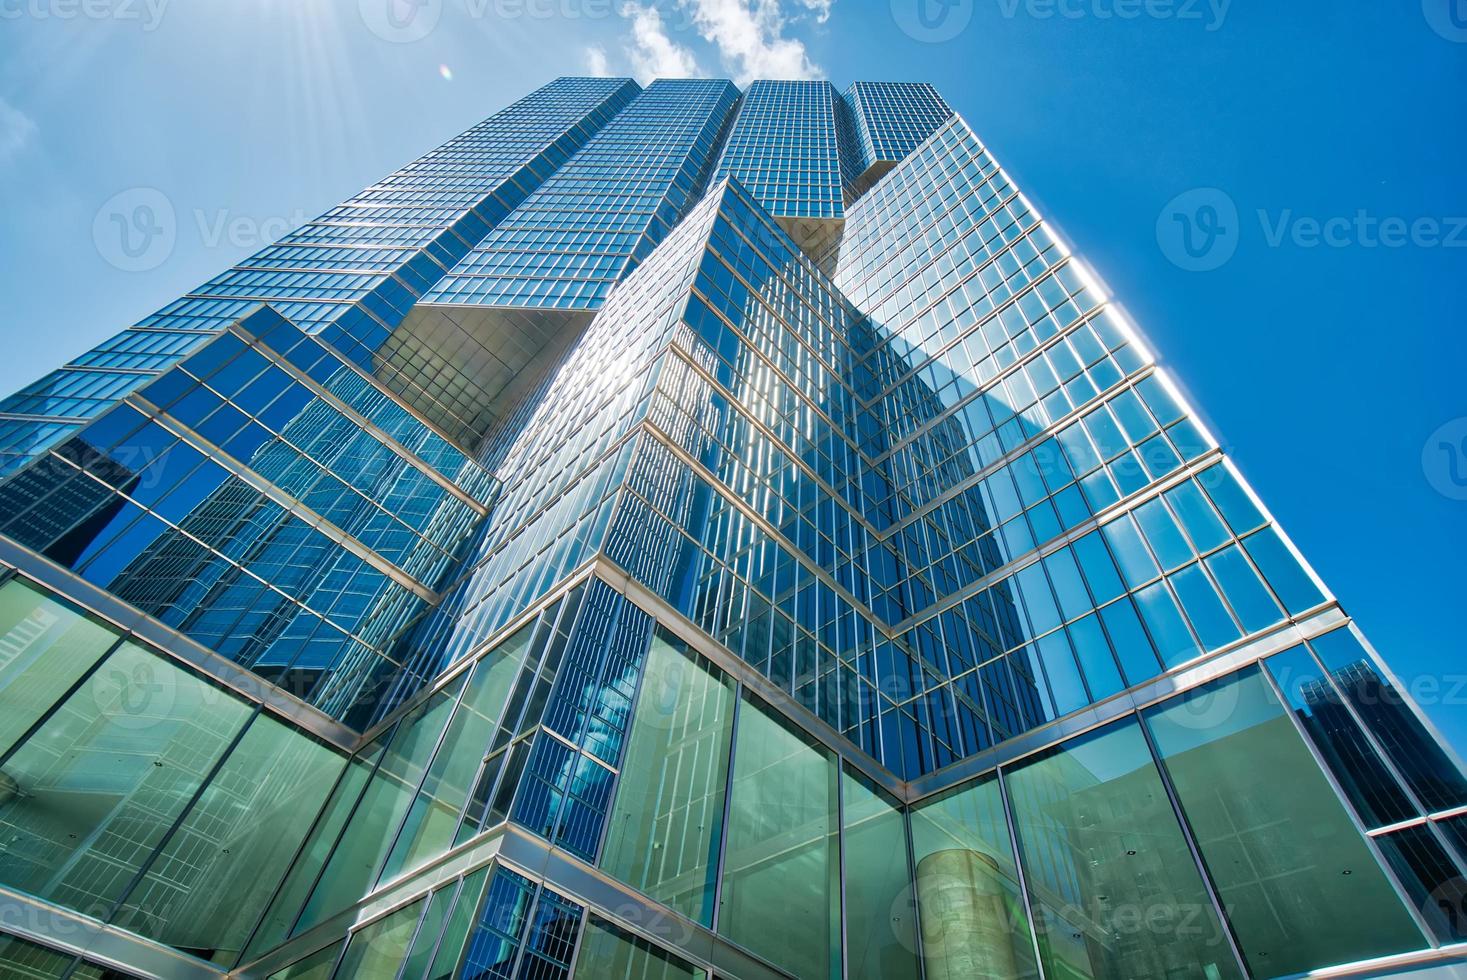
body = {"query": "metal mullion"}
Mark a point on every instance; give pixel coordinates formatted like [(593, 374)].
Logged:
[(733, 740), (840, 843), (1000, 776), (570, 969), (524, 941), (906, 815), (1186, 829)]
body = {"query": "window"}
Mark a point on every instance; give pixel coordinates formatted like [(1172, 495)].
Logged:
[(214, 876), (1115, 892), (45, 648), (100, 783), (667, 818), (609, 952), (968, 895), (1301, 888), (880, 907), (781, 897)]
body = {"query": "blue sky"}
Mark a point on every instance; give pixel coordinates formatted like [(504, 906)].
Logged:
[(1273, 190)]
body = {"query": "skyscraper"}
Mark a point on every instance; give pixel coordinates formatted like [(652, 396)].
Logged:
[(681, 532)]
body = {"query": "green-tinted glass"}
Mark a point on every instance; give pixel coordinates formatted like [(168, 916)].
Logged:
[(973, 918), (880, 906), (275, 926), (353, 864), (664, 830), (1300, 886), (609, 953), (376, 951), (1115, 892), (451, 945), (98, 786), (433, 817), (781, 887), (20, 960), (44, 648), (426, 939), (317, 966), (211, 880)]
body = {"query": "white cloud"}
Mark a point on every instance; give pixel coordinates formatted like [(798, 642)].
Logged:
[(596, 61), (749, 36), (652, 53), (16, 130), (820, 8)]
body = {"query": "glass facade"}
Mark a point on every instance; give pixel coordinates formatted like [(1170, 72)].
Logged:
[(682, 533)]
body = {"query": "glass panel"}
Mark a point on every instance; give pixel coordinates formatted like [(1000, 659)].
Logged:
[(1431, 878), (1322, 713), (609, 953), (102, 781), (275, 926), (781, 887), (973, 918), (21, 960), (1435, 776), (216, 873), (434, 815), (668, 815), (880, 911), (376, 951), (44, 648), (1301, 887), (1114, 889), (451, 945), (317, 966), (426, 939), (353, 864)]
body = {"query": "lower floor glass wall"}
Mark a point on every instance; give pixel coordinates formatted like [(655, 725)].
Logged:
[(1269, 823), (137, 792)]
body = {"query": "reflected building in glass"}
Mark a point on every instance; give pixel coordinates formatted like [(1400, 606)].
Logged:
[(681, 532)]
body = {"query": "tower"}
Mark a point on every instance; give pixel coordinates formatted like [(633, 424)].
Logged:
[(676, 531)]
